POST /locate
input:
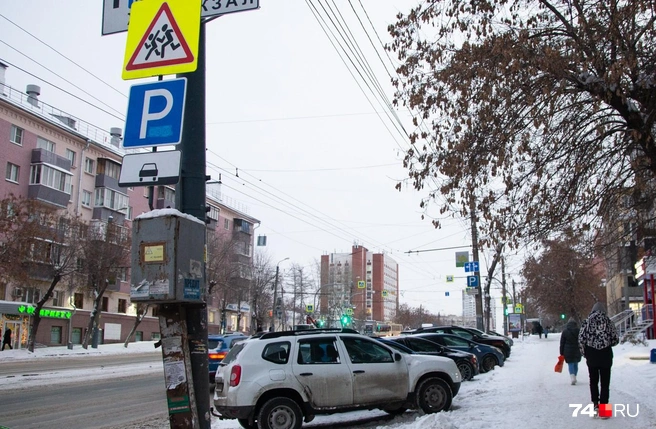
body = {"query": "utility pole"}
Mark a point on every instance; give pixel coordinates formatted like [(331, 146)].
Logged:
[(503, 294), (275, 299), (474, 233), (276, 308), (190, 199)]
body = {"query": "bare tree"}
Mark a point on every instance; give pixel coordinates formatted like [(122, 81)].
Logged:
[(261, 294), (40, 244), (562, 280), (105, 254), (301, 284), (543, 111), (220, 270), (142, 311)]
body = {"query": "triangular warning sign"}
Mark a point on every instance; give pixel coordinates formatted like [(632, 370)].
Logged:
[(163, 44)]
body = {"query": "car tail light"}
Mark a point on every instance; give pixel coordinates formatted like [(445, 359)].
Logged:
[(217, 355), (235, 376)]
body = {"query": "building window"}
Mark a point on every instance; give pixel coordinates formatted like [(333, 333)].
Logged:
[(86, 198), (78, 300), (104, 306), (42, 143), (13, 172), (138, 336), (56, 335), (155, 336), (164, 193), (111, 199), (70, 155), (128, 214), (155, 311), (89, 165), (16, 135), (57, 299), (213, 213), (32, 295), (226, 223), (42, 174), (122, 305), (109, 168)]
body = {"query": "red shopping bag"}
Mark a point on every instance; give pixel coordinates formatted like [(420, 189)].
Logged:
[(559, 365)]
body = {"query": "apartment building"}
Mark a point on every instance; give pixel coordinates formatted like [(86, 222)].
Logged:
[(62, 161), (362, 284)]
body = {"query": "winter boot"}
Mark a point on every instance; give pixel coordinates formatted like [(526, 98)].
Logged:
[(573, 379)]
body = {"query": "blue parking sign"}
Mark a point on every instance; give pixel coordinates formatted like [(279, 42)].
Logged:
[(155, 113)]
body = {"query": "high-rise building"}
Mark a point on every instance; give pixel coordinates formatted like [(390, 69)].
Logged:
[(361, 284)]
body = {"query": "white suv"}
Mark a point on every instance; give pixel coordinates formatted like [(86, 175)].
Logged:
[(281, 379)]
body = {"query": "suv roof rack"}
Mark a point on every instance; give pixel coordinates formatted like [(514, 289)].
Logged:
[(307, 332)]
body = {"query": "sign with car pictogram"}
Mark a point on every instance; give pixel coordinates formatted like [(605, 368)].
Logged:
[(150, 168)]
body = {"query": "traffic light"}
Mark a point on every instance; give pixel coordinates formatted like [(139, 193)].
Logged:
[(562, 315), (505, 311), (346, 320), (320, 323)]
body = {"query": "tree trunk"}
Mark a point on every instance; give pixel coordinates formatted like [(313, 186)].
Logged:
[(137, 321), (36, 318), (94, 316)]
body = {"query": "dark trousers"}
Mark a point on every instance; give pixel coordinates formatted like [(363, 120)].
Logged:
[(598, 374), (6, 344)]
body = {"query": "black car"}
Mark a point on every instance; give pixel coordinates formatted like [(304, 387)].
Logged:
[(467, 362), (474, 335)]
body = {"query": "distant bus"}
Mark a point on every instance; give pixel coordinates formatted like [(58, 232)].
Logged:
[(388, 329)]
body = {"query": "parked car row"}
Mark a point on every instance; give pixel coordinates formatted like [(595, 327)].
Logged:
[(467, 362), (282, 379), (472, 334)]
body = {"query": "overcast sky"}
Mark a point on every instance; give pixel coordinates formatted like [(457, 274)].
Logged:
[(296, 135)]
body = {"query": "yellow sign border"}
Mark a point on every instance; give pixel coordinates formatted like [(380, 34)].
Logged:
[(142, 13)]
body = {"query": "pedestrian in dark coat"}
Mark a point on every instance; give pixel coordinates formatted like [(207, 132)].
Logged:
[(596, 338), (6, 339), (569, 347)]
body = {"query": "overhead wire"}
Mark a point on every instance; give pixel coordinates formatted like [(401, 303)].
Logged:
[(60, 76)]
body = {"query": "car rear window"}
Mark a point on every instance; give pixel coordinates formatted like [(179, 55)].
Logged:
[(214, 344), (233, 353)]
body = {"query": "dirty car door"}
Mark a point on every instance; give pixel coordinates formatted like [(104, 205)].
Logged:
[(377, 376), (323, 372)]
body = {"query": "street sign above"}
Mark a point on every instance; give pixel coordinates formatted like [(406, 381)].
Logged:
[(116, 13), (155, 113), (150, 168), (472, 281), (471, 267), (162, 38)]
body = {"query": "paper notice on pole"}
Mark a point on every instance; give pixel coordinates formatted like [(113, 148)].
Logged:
[(174, 374)]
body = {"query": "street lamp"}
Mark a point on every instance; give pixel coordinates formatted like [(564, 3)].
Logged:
[(275, 295)]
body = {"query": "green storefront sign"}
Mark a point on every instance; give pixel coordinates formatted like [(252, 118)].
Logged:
[(45, 312)]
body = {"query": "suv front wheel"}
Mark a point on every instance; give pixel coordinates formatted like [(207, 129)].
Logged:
[(434, 395), (280, 413)]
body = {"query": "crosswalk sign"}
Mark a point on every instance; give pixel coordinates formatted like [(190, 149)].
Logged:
[(162, 38)]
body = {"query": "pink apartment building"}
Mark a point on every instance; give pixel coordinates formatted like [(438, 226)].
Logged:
[(63, 161)]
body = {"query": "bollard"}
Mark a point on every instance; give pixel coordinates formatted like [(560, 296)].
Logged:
[(652, 358)]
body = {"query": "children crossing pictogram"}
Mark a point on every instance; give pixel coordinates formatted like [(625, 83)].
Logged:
[(162, 38), (163, 44)]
